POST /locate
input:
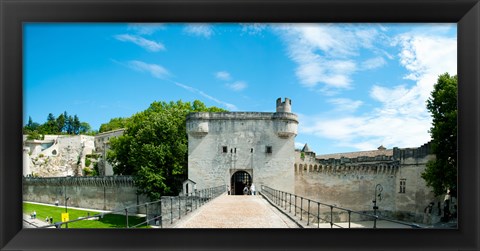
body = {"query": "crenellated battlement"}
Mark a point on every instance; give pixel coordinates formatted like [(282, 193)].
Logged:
[(377, 162), (285, 106), (417, 153), (351, 168), (356, 160), (285, 123)]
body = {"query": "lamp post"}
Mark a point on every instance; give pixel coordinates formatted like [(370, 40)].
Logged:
[(66, 201), (66, 211), (376, 193)]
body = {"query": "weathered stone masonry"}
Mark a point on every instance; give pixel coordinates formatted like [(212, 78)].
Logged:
[(104, 193), (258, 147), (258, 144), (350, 182)]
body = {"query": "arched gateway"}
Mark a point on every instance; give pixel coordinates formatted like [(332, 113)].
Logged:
[(228, 148), (238, 181)]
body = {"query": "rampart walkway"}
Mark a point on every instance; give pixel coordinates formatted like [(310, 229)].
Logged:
[(237, 211)]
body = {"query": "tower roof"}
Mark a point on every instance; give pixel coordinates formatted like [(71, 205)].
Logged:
[(306, 149)]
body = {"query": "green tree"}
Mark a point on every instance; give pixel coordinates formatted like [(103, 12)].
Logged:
[(441, 173), (76, 125), (68, 128), (84, 128), (34, 135), (154, 147), (60, 123), (49, 127), (115, 123), (30, 126)]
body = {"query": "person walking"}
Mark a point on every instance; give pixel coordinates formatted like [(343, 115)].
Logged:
[(252, 189), (245, 190), (428, 213)]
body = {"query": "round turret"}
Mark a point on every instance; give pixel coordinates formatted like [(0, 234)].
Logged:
[(285, 106), (197, 124), (285, 122)]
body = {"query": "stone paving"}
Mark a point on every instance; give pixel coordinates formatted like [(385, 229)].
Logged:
[(28, 222), (237, 211)]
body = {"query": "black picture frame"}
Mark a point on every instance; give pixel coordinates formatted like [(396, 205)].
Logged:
[(13, 13)]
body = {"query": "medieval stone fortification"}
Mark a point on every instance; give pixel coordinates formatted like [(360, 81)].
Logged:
[(104, 193), (235, 149), (240, 148), (349, 180)]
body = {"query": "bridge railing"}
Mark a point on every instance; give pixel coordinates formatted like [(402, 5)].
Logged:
[(161, 213), (317, 212)]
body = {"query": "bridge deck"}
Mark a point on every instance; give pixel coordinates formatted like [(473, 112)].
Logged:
[(237, 211)]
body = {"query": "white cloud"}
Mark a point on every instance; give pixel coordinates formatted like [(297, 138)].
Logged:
[(373, 63), (426, 57), (345, 104), (223, 75), (325, 54), (145, 28), (367, 132), (366, 37), (201, 30), (160, 72), (229, 106), (253, 29), (237, 85), (401, 118), (299, 145), (142, 42), (154, 69)]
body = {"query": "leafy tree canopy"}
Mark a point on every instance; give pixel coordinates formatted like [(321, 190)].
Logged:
[(113, 124), (154, 147), (63, 124), (441, 173)]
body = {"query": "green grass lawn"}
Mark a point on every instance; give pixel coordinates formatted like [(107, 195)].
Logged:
[(108, 220)]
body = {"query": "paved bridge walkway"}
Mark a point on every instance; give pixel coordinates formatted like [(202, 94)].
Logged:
[(237, 211)]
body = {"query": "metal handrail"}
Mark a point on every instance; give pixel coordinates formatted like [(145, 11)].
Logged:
[(186, 203), (282, 198)]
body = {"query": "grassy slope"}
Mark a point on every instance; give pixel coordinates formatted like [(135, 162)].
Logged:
[(108, 221)]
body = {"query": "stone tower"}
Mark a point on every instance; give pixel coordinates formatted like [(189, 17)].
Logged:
[(240, 148), (285, 106)]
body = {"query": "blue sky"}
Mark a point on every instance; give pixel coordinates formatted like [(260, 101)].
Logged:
[(354, 86)]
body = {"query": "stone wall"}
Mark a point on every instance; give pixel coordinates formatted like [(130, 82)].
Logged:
[(350, 182), (102, 145), (220, 144), (104, 193), (417, 195), (57, 155), (348, 186)]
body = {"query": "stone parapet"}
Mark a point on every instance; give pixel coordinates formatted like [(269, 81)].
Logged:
[(285, 123), (106, 181), (361, 159), (229, 116), (241, 116), (417, 152), (374, 168)]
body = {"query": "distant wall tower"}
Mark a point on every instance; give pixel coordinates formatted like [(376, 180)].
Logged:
[(285, 106)]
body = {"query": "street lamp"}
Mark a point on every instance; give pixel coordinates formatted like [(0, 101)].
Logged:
[(66, 211), (66, 199), (376, 193)]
